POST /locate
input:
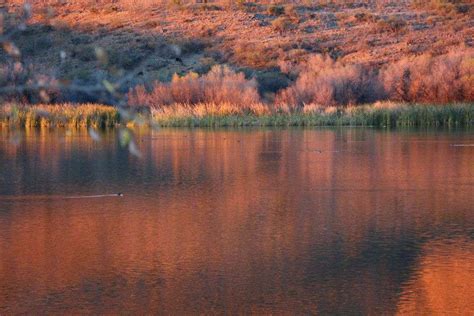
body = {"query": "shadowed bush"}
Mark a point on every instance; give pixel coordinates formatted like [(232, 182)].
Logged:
[(220, 85)]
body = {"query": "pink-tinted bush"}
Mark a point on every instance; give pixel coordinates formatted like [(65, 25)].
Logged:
[(220, 85), (323, 81), (441, 79), (327, 82)]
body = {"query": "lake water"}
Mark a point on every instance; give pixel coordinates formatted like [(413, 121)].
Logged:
[(314, 221)]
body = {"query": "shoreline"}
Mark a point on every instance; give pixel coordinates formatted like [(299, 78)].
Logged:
[(378, 115)]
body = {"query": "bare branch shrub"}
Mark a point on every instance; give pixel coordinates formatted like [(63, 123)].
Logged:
[(282, 24), (441, 79), (327, 82), (220, 85)]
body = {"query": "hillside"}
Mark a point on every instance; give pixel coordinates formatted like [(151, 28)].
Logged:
[(269, 42)]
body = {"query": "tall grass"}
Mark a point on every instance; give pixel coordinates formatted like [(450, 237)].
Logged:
[(64, 115), (226, 114), (376, 115)]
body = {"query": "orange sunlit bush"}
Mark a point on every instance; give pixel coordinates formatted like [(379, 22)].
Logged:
[(220, 85), (442, 79), (328, 82)]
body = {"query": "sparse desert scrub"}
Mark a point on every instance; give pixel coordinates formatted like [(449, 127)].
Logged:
[(328, 82), (445, 6), (441, 79), (365, 16), (282, 24), (256, 55), (220, 85), (276, 10), (393, 24)]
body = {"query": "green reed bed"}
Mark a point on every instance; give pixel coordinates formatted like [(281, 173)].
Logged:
[(378, 115), (209, 115)]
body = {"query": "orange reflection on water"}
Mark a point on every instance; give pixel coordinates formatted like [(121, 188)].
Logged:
[(444, 282), (238, 221)]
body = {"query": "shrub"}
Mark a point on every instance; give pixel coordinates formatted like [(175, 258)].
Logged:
[(84, 53), (291, 10), (282, 24), (191, 46), (196, 7), (463, 8), (445, 6), (441, 79), (220, 85), (327, 82), (365, 17), (276, 10), (393, 24), (256, 55), (126, 59), (250, 7)]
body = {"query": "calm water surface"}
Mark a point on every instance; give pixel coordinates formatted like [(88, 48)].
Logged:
[(328, 221)]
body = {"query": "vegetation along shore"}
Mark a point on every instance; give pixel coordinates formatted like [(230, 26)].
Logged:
[(380, 114)]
